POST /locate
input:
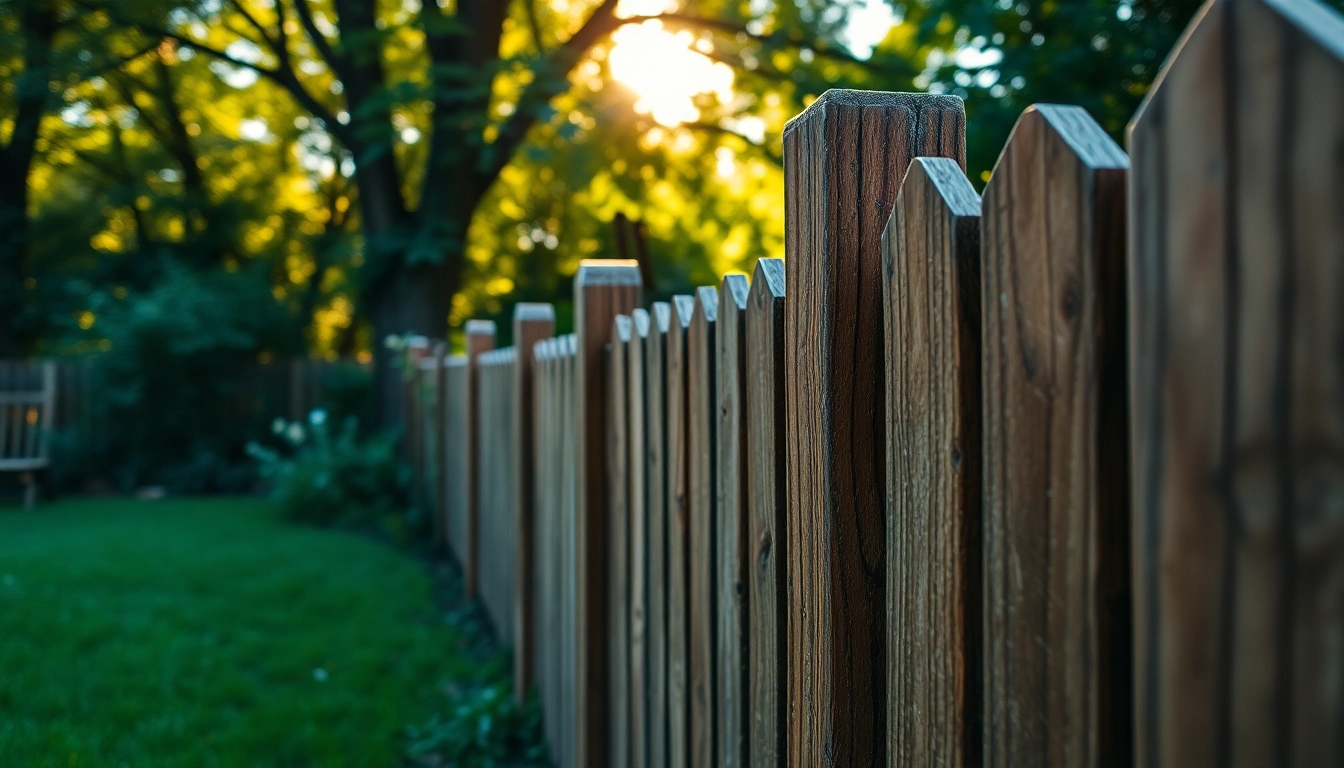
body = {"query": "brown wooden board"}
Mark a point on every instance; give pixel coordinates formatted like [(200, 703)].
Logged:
[(766, 498), (569, 560), (603, 288), (617, 577), (702, 421), (456, 489), (639, 537), (1056, 585), (844, 158), (531, 324), (730, 536), (1236, 268), (678, 503), (931, 300), (480, 338), (656, 379)]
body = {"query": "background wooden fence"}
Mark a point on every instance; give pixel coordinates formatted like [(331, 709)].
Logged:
[(1048, 477)]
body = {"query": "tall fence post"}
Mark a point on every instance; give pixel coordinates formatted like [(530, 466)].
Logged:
[(767, 495), (844, 158), (730, 692), (439, 416), (1236, 264), (531, 324), (1056, 488), (931, 300), (602, 290), (480, 339)]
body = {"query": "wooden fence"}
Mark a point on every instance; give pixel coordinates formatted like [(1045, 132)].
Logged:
[(1050, 476)]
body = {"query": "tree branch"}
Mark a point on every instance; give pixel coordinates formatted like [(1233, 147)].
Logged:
[(320, 41)]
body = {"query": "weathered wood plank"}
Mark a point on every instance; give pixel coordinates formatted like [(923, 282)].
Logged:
[(766, 497), (456, 488), (639, 538), (844, 158), (531, 324), (1056, 454), (480, 338), (603, 288), (731, 681), (617, 577), (702, 562), (569, 557), (1236, 268), (678, 502), (656, 378), (931, 300)]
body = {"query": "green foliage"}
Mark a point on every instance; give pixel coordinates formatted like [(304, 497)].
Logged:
[(340, 479), (189, 633), (166, 367), (485, 727)]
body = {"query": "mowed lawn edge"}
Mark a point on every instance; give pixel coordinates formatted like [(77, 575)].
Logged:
[(207, 632)]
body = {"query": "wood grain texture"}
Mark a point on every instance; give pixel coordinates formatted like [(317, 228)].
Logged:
[(1236, 268), (678, 503), (767, 495), (1056, 585), (617, 580), (844, 158), (702, 563), (656, 379), (602, 290), (731, 549), (531, 324), (931, 300), (639, 537), (480, 339)]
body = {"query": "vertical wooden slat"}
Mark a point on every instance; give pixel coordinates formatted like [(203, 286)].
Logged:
[(545, 534), (767, 496), (569, 576), (531, 324), (602, 290), (617, 577), (678, 501), (656, 378), (702, 563), (639, 537), (731, 525), (456, 488), (439, 416), (931, 300), (1236, 269), (844, 158), (1055, 445), (480, 338)]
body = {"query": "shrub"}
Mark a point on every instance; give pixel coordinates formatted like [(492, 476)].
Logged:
[(483, 728), (337, 479)]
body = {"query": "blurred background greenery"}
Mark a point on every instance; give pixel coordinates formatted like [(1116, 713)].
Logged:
[(190, 186)]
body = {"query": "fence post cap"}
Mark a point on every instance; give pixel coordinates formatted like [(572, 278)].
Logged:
[(480, 328), (533, 311), (608, 272), (846, 97)]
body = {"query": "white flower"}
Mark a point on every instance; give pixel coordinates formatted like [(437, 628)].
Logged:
[(278, 426), (317, 417), (295, 433)]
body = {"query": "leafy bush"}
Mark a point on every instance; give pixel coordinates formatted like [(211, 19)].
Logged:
[(339, 479), (485, 727)]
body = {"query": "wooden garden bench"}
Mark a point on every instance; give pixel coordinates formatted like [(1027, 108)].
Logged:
[(27, 403)]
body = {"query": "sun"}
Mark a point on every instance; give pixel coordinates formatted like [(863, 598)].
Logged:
[(662, 68)]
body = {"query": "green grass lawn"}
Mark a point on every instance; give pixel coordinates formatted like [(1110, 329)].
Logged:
[(205, 632)]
